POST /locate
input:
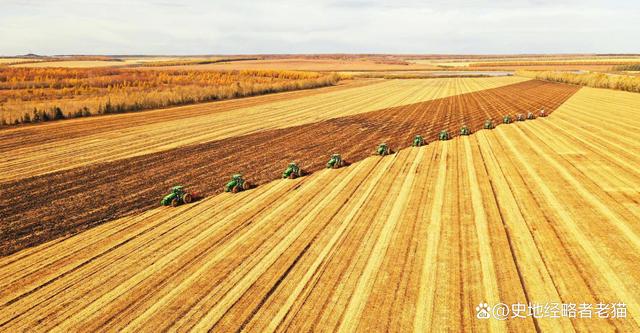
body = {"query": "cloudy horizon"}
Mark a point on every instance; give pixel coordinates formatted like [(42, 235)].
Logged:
[(285, 27)]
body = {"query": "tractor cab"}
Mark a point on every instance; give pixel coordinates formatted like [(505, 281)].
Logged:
[(237, 184), (488, 124), (418, 141), (177, 197), (177, 190), (465, 130), (383, 149), (335, 162), (444, 135), (292, 171)]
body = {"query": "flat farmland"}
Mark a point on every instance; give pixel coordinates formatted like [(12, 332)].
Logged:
[(544, 67), (309, 65), (72, 64), (560, 63), (5, 61), (74, 128), (80, 63), (71, 200), (537, 211), (37, 150)]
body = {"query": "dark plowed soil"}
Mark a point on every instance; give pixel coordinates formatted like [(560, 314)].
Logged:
[(42, 208)]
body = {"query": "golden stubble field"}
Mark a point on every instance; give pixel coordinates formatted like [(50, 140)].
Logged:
[(538, 211), (203, 123)]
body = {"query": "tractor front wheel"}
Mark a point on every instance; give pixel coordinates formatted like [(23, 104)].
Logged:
[(175, 202), (292, 175), (235, 189), (187, 198)]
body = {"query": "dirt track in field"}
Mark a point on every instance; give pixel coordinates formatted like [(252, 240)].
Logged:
[(69, 201), (540, 211)]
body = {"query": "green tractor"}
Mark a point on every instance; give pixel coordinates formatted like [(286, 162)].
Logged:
[(178, 196), (444, 135), (418, 141), (488, 124), (542, 113), (383, 149), (293, 171), (506, 119), (531, 116), (335, 162), (520, 117), (237, 184), (465, 130)]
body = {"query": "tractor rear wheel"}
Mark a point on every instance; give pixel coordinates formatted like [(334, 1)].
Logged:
[(246, 185), (187, 198), (175, 202)]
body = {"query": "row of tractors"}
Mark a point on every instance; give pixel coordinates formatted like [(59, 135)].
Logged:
[(237, 183)]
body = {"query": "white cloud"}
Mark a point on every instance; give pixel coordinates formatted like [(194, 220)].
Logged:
[(381, 26)]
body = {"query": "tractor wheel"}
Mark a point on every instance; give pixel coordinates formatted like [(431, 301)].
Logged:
[(187, 198), (246, 185), (292, 175), (235, 189), (175, 202)]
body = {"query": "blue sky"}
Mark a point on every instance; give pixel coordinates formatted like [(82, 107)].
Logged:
[(320, 26)]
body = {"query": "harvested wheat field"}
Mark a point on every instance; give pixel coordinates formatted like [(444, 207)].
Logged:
[(312, 64), (542, 211), (260, 155), (52, 147)]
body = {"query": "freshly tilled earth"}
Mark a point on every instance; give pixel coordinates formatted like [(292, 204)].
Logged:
[(66, 202)]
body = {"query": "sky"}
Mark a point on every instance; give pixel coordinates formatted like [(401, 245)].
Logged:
[(168, 27)]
